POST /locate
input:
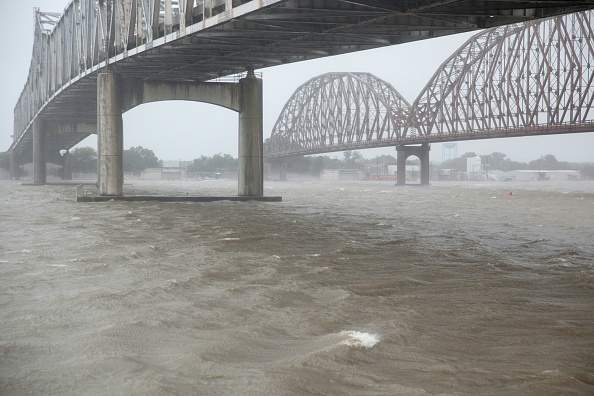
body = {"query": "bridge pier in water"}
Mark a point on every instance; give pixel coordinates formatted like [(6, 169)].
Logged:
[(110, 135), (403, 152), (277, 170), (39, 158), (67, 166), (15, 172), (251, 129)]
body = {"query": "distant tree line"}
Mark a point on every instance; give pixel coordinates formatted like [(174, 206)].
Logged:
[(216, 163), (312, 165), (136, 159)]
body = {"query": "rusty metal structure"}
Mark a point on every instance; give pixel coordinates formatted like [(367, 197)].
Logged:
[(201, 40), (532, 78), (338, 111)]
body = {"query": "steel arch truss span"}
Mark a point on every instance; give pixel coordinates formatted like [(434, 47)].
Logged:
[(522, 79), (533, 78), (336, 111)]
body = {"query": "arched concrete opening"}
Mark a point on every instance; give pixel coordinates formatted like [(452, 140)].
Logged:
[(421, 152), (188, 130), (191, 129), (115, 96)]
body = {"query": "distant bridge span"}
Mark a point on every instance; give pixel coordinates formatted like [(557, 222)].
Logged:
[(101, 57), (534, 78)]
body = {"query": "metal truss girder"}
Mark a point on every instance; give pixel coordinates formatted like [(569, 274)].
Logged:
[(90, 35), (526, 75), (338, 109), (531, 78)]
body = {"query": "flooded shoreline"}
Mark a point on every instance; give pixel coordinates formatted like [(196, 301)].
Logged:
[(342, 288)]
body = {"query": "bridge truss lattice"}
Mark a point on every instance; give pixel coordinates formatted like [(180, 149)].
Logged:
[(532, 78), (339, 110)]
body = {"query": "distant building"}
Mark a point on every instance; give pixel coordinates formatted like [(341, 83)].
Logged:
[(162, 174), (474, 169), (341, 175), (527, 175)]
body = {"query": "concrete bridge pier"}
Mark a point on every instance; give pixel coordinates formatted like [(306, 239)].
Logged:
[(39, 159), (251, 146), (15, 172), (67, 166), (403, 152), (278, 170), (110, 134)]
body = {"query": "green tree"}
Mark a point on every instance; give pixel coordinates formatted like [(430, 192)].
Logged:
[(547, 162), (84, 159), (383, 160), (137, 159), (217, 163), (299, 164), (316, 165), (459, 163), (587, 170), (353, 159), (224, 162), (4, 160)]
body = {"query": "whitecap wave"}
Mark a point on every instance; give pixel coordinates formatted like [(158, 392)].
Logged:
[(359, 339)]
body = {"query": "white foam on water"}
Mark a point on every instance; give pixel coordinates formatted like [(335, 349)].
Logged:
[(359, 339)]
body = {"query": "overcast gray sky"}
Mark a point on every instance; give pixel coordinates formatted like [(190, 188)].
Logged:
[(185, 130)]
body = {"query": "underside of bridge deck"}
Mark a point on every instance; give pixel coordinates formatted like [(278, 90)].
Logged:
[(279, 32), (197, 41)]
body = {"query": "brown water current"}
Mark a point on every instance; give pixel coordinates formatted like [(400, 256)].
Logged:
[(360, 288)]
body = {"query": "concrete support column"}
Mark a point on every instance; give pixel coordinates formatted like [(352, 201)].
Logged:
[(403, 152), (110, 135), (39, 161), (251, 145), (401, 155), (425, 164), (67, 166), (278, 171), (283, 171), (15, 172)]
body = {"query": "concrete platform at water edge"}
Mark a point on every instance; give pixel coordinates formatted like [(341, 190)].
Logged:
[(82, 196), (176, 198)]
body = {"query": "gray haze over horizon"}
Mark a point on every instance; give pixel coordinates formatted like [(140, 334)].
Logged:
[(178, 130)]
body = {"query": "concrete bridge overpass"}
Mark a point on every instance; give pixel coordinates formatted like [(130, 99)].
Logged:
[(102, 57), (527, 79)]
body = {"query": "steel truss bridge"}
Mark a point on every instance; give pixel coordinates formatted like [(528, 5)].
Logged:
[(151, 50), (533, 78)]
